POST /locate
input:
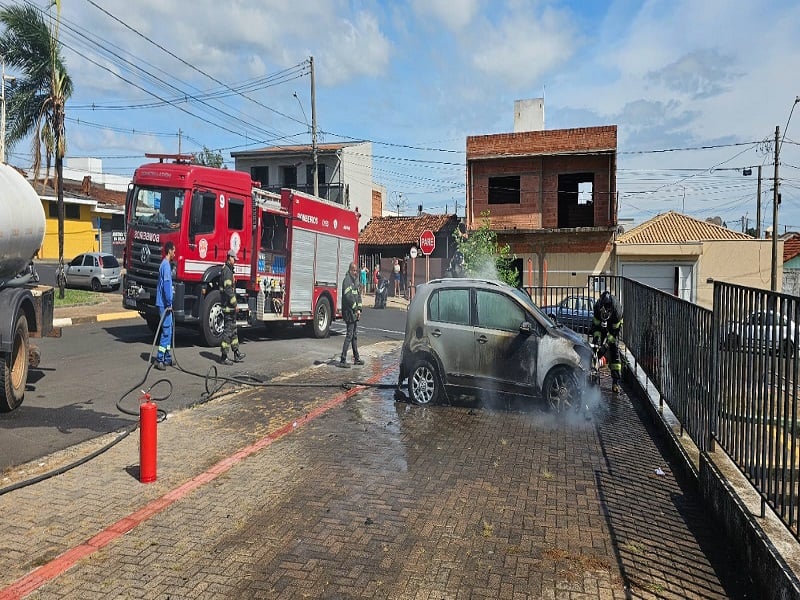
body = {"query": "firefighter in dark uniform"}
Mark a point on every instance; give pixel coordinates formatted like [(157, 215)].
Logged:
[(351, 313), (606, 326), (230, 337)]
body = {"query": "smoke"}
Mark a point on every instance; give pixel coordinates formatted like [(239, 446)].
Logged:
[(484, 269)]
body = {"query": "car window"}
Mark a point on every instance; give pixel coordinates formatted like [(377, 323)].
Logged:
[(88, 261), (588, 305), (77, 261), (497, 311), (449, 306), (109, 261)]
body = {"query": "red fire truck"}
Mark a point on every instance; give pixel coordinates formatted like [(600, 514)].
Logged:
[(293, 249)]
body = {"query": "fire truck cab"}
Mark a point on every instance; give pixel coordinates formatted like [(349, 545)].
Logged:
[(293, 248)]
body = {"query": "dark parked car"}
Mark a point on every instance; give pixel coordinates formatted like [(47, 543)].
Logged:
[(484, 337), (574, 312), (95, 270)]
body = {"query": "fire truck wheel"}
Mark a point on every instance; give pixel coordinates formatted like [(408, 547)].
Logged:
[(14, 368), (211, 320), (322, 318)]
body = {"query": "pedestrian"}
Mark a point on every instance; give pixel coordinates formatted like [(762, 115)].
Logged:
[(164, 304), (376, 276), (351, 313), (606, 326), (396, 277), (404, 277), (363, 276), (230, 337)]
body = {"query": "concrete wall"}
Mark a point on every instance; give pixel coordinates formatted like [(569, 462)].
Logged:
[(357, 175)]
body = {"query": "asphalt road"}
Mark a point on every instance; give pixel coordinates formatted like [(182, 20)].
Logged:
[(81, 384)]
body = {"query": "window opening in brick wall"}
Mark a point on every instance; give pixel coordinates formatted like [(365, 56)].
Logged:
[(261, 175), (504, 190), (289, 177), (576, 200)]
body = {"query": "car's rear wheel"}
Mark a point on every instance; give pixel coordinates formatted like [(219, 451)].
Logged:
[(562, 390), (424, 383)]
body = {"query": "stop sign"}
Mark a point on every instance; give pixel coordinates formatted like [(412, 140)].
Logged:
[(427, 242)]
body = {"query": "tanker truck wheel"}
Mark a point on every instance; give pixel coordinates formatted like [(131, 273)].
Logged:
[(211, 320), (14, 371)]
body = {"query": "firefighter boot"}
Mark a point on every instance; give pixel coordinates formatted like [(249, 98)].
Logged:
[(225, 359), (615, 387), (238, 356)]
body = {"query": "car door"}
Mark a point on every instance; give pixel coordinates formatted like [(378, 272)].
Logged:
[(450, 335), (506, 357), (74, 271)]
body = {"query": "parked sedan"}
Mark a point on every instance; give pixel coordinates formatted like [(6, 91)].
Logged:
[(486, 338), (762, 330), (95, 270), (574, 312)]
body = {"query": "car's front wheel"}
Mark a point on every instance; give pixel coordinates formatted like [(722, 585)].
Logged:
[(424, 384), (562, 390)]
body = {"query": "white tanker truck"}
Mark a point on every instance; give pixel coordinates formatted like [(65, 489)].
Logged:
[(26, 309)]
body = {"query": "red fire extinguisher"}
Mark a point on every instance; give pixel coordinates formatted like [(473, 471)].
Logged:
[(148, 439)]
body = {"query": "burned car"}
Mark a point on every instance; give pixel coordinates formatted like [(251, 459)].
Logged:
[(479, 337)]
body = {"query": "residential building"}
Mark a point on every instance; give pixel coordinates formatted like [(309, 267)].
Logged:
[(387, 238), (550, 195), (344, 173), (94, 210), (684, 256)]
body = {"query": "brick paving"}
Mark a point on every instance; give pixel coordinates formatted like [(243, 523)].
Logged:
[(375, 499)]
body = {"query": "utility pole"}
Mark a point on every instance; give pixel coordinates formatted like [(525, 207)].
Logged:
[(180, 134), (314, 127), (758, 206), (775, 197)]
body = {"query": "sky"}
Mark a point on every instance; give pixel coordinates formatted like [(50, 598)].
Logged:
[(696, 89)]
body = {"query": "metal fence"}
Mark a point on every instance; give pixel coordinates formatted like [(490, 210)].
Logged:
[(730, 375)]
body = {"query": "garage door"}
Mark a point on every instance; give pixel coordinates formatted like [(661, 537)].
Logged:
[(670, 278)]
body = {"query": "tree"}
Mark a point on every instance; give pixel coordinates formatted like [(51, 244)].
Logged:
[(483, 256), (37, 98), (209, 158)]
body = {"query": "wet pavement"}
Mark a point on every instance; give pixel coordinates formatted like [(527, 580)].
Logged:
[(294, 491)]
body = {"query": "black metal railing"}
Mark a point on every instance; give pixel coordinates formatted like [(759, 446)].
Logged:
[(329, 191), (730, 375)]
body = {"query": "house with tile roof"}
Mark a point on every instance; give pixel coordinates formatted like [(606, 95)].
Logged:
[(791, 263), (344, 173), (550, 195), (683, 256), (386, 238)]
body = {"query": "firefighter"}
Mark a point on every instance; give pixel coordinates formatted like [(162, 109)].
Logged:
[(351, 313), (606, 326), (230, 337), (164, 304)]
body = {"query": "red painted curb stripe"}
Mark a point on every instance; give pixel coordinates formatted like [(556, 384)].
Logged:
[(41, 575)]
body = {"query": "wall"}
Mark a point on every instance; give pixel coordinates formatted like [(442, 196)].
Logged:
[(539, 157), (79, 236), (357, 175)]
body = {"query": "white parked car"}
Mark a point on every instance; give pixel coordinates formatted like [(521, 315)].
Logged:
[(762, 330), (95, 270)]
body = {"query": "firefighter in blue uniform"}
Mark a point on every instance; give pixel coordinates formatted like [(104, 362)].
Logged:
[(230, 337), (164, 304), (606, 326)]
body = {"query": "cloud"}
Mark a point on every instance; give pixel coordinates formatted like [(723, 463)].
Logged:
[(454, 14), (523, 47), (699, 74)]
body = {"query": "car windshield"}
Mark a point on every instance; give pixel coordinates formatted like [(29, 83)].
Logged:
[(156, 207), (529, 304)]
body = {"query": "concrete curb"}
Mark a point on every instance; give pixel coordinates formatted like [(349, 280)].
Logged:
[(67, 321)]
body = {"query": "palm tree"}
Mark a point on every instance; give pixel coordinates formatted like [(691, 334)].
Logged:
[(36, 99)]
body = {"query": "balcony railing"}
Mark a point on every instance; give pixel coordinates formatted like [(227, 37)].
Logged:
[(333, 192)]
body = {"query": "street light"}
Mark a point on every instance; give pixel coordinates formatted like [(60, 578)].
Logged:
[(3, 80)]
